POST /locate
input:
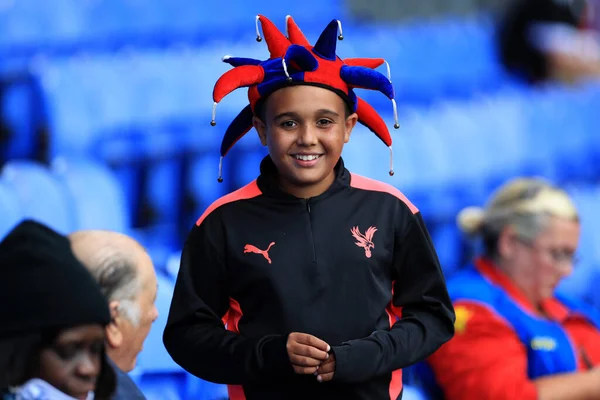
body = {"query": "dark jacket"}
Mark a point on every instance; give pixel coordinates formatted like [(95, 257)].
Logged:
[(126, 388), (337, 266)]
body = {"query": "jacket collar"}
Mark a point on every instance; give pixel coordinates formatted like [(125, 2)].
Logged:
[(36, 389), (268, 182), (552, 307)]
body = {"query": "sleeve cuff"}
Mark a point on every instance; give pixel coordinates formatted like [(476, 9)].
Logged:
[(276, 359), (342, 367)]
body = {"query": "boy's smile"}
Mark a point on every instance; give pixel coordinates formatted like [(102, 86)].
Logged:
[(307, 160), (305, 129)]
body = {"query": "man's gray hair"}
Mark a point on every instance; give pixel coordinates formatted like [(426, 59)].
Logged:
[(117, 275)]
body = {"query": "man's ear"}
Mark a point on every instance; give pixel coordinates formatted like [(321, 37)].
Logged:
[(114, 336), (350, 124), (261, 128)]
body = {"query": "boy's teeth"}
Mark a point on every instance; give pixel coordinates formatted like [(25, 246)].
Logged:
[(307, 158)]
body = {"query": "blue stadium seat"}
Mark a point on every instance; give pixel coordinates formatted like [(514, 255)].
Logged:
[(198, 389), (96, 105), (589, 103), (21, 110), (111, 21), (21, 25), (544, 110), (583, 281), (172, 265), (163, 386), (154, 358), (447, 241), (246, 163), (159, 241), (460, 61), (158, 375), (97, 196), (41, 195), (164, 189), (413, 393), (70, 24), (202, 183), (594, 295), (11, 209), (70, 107)]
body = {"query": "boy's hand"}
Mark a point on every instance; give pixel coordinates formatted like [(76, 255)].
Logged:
[(306, 352), (327, 369)]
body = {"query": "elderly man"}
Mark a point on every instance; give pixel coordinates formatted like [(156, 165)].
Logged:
[(126, 275)]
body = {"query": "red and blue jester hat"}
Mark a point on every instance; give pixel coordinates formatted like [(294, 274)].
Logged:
[(294, 61)]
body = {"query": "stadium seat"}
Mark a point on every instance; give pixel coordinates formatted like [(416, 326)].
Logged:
[(448, 244), (172, 265), (198, 389), (96, 194), (41, 195), (203, 186), (158, 375), (583, 281), (154, 358), (413, 393), (163, 386), (21, 113)]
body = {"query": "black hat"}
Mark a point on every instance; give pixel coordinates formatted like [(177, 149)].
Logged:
[(517, 52), (43, 285)]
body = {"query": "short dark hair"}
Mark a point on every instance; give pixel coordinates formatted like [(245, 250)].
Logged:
[(19, 362)]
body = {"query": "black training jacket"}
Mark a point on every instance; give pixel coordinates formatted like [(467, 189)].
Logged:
[(340, 266)]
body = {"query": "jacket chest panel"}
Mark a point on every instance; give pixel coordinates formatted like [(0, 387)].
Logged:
[(315, 248)]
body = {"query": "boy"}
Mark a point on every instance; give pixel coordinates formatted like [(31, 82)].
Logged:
[(309, 266)]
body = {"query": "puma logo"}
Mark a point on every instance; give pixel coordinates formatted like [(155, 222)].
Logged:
[(365, 241), (253, 249)]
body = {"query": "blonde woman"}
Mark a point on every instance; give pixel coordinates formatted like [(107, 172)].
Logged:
[(516, 339)]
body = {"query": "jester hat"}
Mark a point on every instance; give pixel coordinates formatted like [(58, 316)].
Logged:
[(294, 61)]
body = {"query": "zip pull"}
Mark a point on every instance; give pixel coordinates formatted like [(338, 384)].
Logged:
[(308, 206)]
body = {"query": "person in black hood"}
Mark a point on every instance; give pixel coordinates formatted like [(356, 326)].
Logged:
[(52, 315)]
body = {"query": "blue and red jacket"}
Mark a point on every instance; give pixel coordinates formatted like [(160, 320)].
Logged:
[(342, 266), (503, 343)]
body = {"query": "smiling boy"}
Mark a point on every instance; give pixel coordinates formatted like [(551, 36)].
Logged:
[(310, 282)]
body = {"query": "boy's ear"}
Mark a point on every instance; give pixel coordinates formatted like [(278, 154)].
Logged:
[(261, 128), (350, 124)]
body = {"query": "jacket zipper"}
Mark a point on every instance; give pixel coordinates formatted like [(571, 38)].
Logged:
[(310, 227)]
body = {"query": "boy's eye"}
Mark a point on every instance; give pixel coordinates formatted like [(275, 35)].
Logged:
[(324, 121), (288, 124)]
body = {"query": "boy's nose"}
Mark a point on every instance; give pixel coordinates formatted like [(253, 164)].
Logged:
[(307, 137)]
